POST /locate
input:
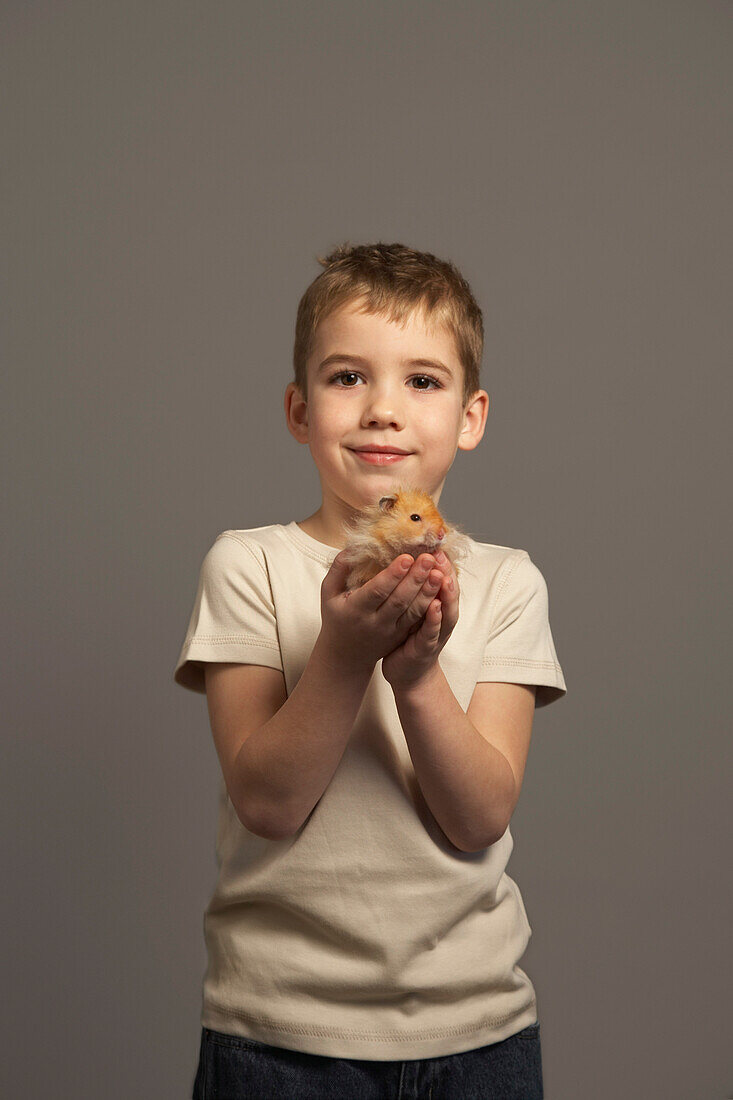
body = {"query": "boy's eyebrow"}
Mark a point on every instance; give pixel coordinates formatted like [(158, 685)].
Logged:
[(359, 360)]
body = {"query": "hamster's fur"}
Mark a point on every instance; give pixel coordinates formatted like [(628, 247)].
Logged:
[(406, 521)]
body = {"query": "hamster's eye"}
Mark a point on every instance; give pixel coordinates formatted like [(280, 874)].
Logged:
[(415, 517)]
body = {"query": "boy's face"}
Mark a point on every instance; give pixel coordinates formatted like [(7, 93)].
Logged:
[(383, 399)]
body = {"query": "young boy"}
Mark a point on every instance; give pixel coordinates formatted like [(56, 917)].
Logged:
[(363, 937)]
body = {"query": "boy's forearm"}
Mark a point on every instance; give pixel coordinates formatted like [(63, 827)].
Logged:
[(466, 781), (286, 764)]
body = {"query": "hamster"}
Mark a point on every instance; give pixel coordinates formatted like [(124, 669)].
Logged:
[(404, 522)]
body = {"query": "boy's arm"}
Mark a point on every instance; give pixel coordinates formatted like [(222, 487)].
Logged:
[(283, 767), (470, 784)]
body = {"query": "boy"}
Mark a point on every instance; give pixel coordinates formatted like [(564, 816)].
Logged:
[(363, 936)]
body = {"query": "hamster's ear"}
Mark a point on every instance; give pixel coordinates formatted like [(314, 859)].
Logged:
[(387, 503)]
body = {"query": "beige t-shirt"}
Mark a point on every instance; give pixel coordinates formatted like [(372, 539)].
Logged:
[(367, 934)]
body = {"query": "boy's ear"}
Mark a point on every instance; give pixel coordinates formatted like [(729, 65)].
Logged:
[(296, 412), (474, 421)]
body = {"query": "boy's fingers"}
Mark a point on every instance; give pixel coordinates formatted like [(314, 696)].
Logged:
[(428, 629), (380, 588), (449, 584), (339, 563), (445, 564), (335, 579), (423, 597)]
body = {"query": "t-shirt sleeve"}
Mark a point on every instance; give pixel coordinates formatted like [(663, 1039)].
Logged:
[(233, 617), (520, 647)]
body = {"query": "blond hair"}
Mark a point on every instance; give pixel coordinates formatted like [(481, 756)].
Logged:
[(394, 281)]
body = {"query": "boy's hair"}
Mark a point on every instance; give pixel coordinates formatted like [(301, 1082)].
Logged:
[(395, 281)]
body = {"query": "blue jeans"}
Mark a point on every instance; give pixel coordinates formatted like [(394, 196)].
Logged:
[(233, 1068)]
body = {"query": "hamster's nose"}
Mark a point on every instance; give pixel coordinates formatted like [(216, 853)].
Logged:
[(441, 534)]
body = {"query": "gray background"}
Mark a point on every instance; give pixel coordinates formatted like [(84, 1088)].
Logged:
[(170, 172)]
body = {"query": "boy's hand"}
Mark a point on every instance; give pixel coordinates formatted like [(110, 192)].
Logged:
[(417, 657), (362, 626)]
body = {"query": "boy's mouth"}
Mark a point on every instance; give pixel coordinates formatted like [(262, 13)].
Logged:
[(384, 448), (379, 458)]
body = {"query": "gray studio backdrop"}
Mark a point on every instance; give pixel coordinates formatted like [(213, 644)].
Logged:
[(170, 172)]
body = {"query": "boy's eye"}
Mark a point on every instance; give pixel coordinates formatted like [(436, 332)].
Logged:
[(353, 374)]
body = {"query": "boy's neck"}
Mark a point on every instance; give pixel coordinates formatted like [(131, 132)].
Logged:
[(313, 527)]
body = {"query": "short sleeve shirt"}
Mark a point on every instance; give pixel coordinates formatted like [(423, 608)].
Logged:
[(367, 934)]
